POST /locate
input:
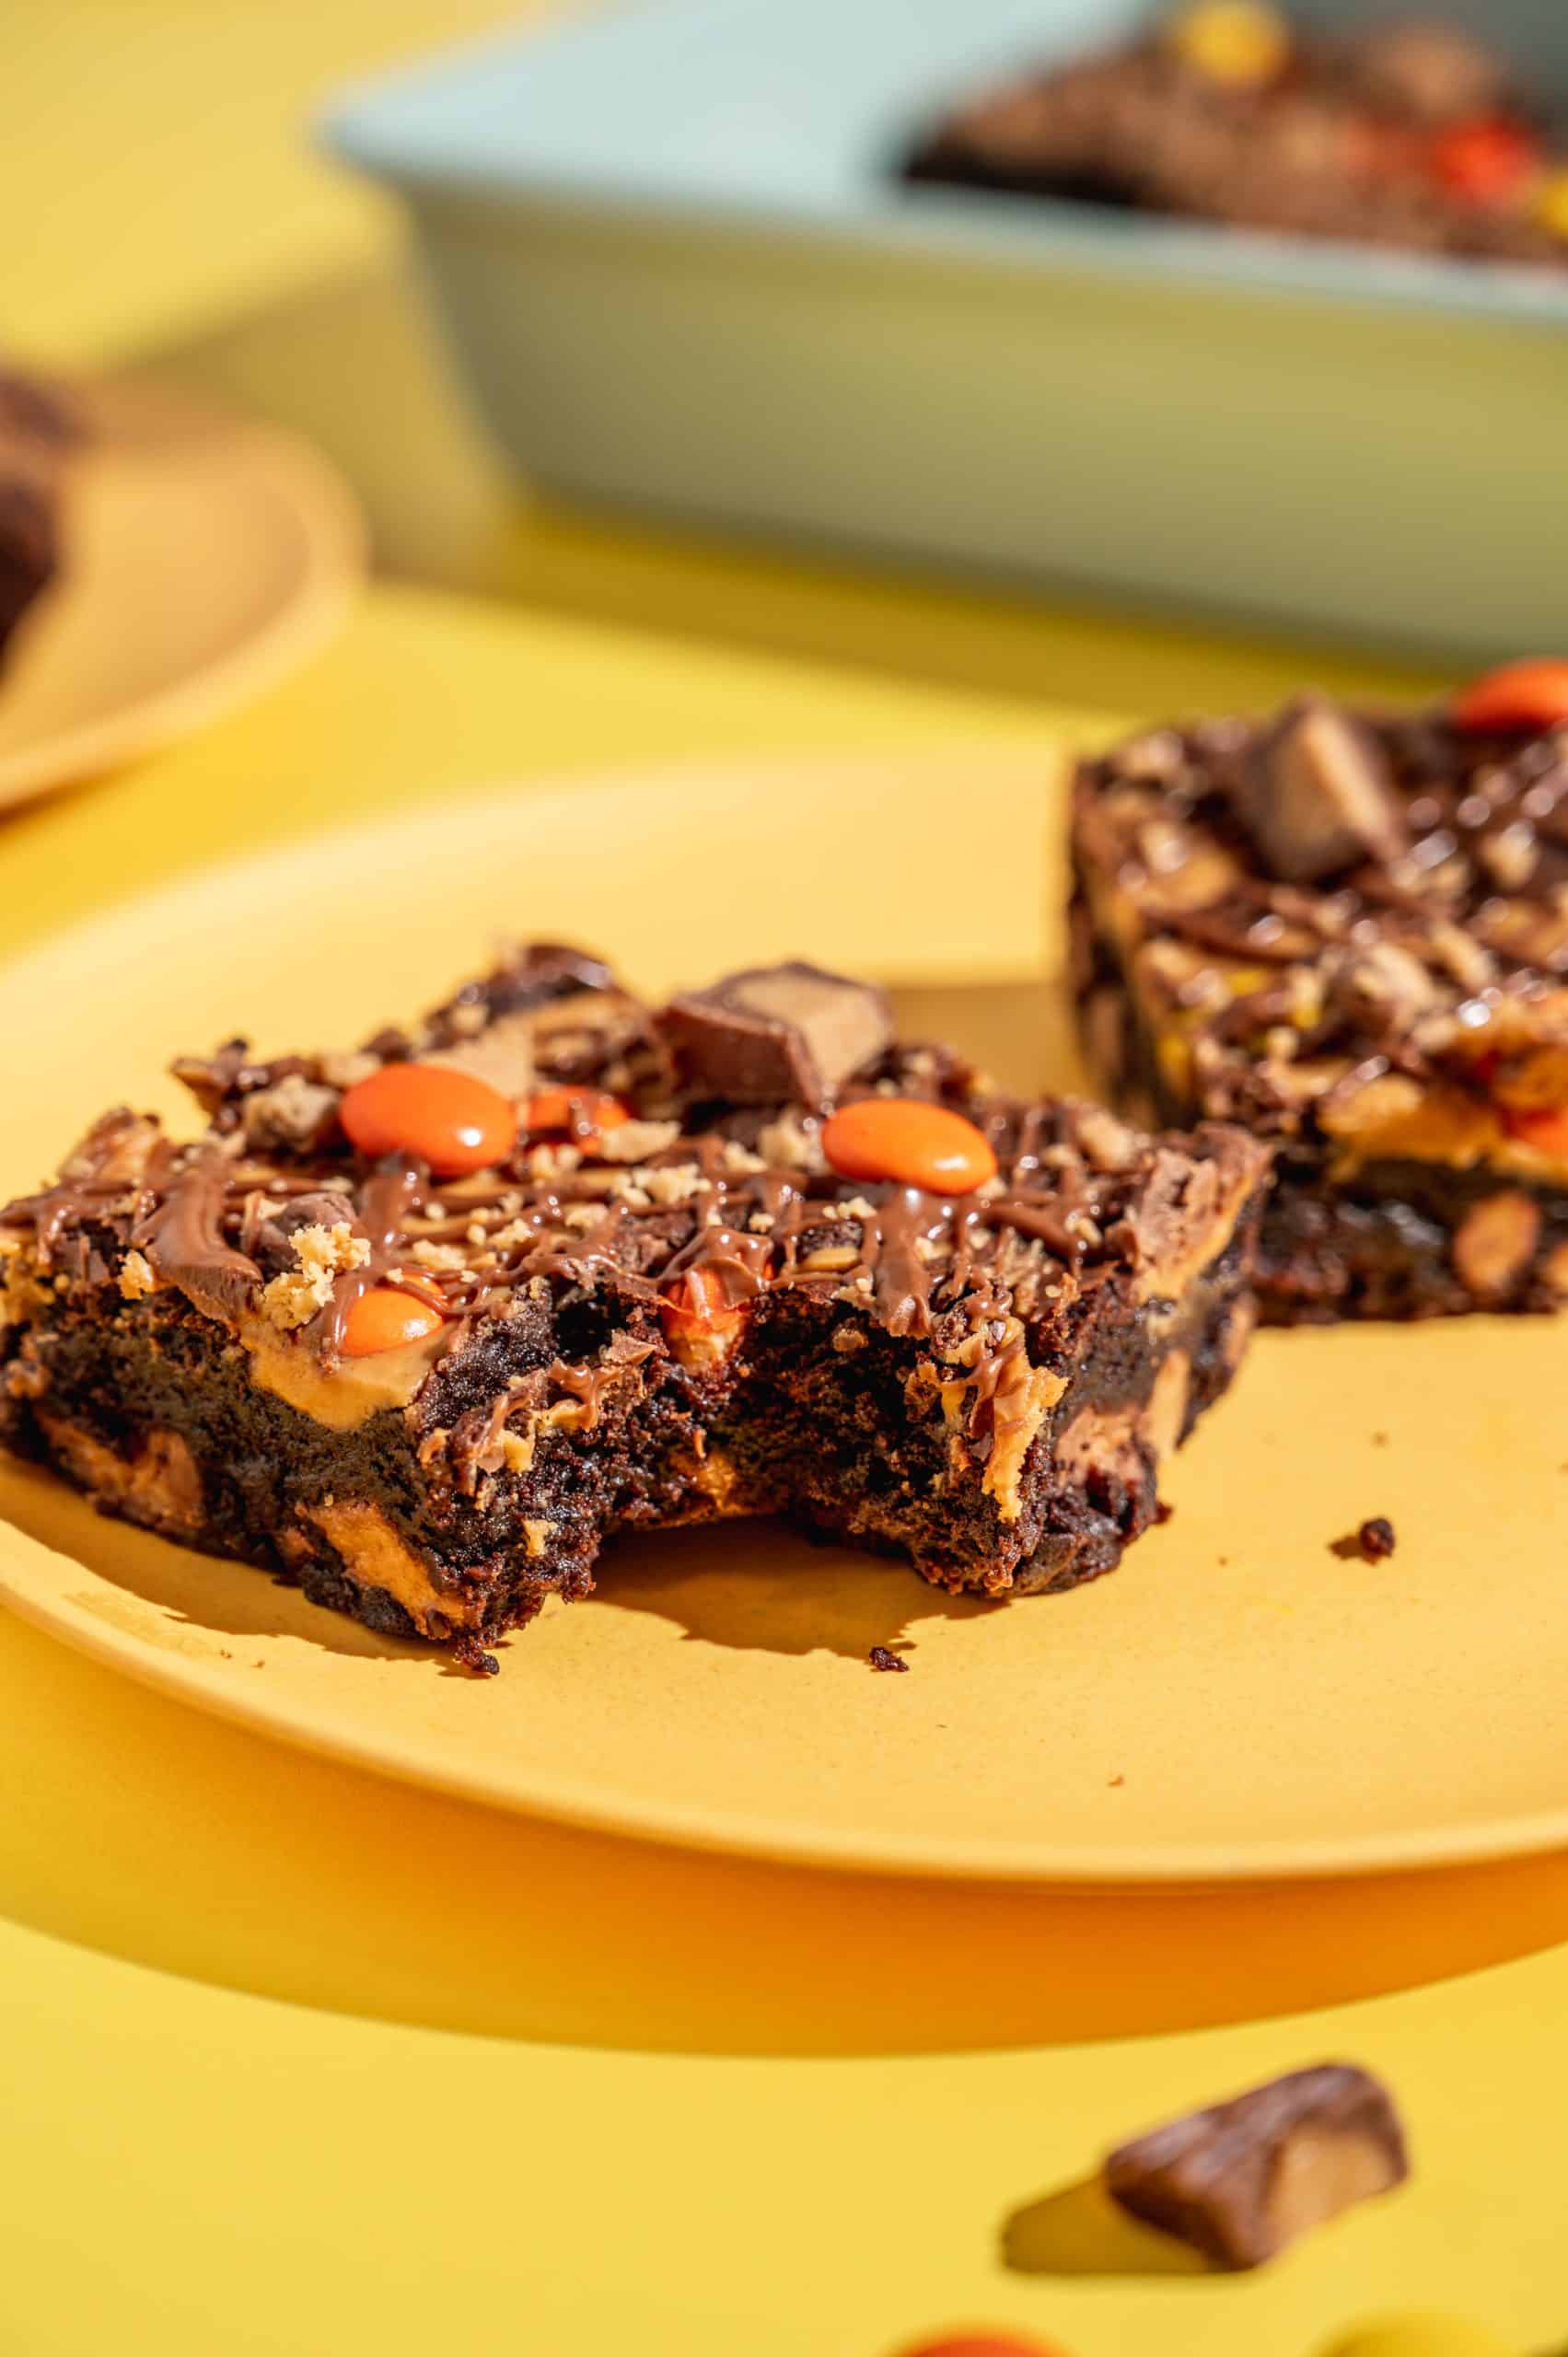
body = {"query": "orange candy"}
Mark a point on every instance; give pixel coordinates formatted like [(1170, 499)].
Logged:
[(981, 2344), (1525, 696), (1488, 160), (570, 1108), (384, 1319), (908, 1142), (452, 1119), (1547, 1130)]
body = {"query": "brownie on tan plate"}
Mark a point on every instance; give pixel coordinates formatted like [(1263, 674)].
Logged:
[(420, 1326)]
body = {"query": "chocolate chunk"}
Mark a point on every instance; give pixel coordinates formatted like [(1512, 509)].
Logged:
[(1317, 794), (881, 1659), (776, 1034), (1240, 2180), (271, 1248)]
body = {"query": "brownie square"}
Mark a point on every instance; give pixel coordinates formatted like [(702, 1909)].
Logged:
[(744, 1253), (1348, 930)]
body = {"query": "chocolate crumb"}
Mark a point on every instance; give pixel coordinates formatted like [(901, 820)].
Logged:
[(880, 1658), (1372, 1543), (1162, 1511)]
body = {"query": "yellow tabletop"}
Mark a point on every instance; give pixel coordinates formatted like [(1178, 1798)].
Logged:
[(302, 2061)]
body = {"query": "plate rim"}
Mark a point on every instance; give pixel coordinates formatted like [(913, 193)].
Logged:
[(335, 538), (781, 1843)]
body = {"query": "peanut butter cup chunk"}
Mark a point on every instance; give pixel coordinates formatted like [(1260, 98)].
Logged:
[(777, 1034), (1240, 2181)]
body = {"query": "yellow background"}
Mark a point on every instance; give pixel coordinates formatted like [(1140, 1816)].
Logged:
[(298, 2060)]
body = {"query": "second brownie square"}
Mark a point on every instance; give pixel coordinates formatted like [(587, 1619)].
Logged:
[(1348, 930)]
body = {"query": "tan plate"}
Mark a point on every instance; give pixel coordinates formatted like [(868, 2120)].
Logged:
[(1235, 1701), (204, 555)]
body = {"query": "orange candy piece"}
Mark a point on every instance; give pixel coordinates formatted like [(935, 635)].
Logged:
[(1488, 160), (452, 1119), (981, 2344), (1526, 696), (912, 1143), (384, 1319), (1547, 1130), (570, 1108)]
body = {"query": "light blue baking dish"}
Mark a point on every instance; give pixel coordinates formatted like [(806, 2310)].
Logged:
[(678, 269)]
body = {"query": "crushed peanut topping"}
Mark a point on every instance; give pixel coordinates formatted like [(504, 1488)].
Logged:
[(321, 1254), (136, 1278)]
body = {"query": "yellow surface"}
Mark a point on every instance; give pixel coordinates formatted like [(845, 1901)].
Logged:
[(299, 2059), (204, 555), (1236, 1702)]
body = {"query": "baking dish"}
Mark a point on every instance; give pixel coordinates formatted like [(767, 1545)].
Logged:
[(674, 258)]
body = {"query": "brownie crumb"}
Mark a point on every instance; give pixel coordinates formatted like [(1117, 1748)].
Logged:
[(880, 1658), (1372, 1542), (1162, 1511)]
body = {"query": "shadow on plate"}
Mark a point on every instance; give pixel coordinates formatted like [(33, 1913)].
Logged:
[(157, 1833)]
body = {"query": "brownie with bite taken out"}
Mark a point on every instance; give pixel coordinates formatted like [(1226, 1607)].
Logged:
[(421, 1326), (1348, 930)]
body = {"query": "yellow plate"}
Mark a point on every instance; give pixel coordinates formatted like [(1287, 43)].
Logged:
[(203, 556), (1235, 1701)]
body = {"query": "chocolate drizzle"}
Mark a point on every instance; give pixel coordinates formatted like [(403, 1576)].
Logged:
[(736, 1194), (390, 1194), (1436, 957)]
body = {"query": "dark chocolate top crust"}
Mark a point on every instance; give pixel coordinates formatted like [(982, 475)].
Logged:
[(1411, 135), (272, 1225), (1355, 921)]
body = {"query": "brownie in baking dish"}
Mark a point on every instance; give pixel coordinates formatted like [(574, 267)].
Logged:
[(1411, 135), (1348, 930), (420, 1326), (36, 434)]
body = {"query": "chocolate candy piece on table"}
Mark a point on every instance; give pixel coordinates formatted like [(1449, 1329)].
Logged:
[(1241, 2181), (1408, 135), (1349, 931), (420, 1326)]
